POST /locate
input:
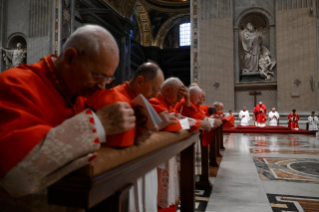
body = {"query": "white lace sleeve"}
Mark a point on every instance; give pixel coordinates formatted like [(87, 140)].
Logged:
[(65, 148)]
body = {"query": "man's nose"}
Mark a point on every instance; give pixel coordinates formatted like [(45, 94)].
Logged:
[(155, 94), (101, 85)]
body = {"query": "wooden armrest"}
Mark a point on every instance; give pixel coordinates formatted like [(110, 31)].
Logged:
[(83, 189)]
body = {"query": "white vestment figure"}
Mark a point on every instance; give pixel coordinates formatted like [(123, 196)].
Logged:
[(143, 195), (244, 118), (313, 121), (272, 118)]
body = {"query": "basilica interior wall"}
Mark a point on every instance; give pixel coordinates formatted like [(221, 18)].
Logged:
[(215, 35), (296, 56)]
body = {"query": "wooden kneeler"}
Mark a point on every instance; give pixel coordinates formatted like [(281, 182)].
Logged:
[(221, 139), (109, 190), (213, 149), (204, 177)]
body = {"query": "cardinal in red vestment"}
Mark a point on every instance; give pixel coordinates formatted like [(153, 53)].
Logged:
[(260, 114), (43, 116), (141, 83), (293, 119)]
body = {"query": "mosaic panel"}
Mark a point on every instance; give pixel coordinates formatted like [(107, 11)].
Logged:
[(279, 203), (303, 170)]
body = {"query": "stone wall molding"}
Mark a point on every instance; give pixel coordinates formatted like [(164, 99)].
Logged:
[(271, 19), (14, 35)]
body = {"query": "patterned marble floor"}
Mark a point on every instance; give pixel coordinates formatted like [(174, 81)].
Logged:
[(267, 172)]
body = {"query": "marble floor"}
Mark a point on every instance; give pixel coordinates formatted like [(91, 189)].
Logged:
[(267, 172)]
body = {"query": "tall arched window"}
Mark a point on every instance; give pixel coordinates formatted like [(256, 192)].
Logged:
[(185, 34)]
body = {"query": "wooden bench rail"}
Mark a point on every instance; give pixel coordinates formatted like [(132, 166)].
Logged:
[(214, 147), (206, 157), (80, 192)]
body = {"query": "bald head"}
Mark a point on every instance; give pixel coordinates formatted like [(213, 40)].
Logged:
[(90, 40), (171, 90), (148, 70), (173, 82), (219, 106), (88, 60), (196, 90), (147, 80)]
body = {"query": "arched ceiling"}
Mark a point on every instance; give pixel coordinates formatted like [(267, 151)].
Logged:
[(169, 5)]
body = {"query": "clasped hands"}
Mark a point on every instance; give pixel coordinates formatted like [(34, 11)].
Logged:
[(119, 117)]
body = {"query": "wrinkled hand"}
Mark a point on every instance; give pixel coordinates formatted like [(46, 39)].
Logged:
[(206, 125), (184, 91), (218, 122), (116, 118), (142, 134), (243, 116), (167, 119)]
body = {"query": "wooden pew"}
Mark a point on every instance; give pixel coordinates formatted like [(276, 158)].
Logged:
[(221, 139), (104, 184), (213, 149), (204, 178)]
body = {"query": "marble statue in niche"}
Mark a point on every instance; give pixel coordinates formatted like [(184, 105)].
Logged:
[(266, 64), (251, 41), (14, 57), (256, 56)]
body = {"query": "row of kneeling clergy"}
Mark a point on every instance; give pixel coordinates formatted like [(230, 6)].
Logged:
[(56, 113)]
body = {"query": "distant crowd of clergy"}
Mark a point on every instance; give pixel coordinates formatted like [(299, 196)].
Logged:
[(260, 113)]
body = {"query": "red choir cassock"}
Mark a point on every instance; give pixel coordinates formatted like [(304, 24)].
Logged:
[(260, 116), (229, 121), (219, 114), (204, 108), (33, 100), (160, 104), (102, 98), (195, 112), (292, 124)]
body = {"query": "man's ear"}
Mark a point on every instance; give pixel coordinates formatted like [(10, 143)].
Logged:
[(140, 80), (167, 89), (69, 56)]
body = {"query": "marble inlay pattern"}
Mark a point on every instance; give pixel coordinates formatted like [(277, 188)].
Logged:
[(283, 151), (281, 203), (288, 169), (201, 199)]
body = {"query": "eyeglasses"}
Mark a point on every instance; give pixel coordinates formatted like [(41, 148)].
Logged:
[(100, 77)]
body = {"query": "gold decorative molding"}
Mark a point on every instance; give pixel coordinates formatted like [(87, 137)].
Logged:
[(144, 23)]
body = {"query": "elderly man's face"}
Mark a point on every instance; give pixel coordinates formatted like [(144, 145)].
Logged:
[(85, 75), (244, 109), (273, 110), (203, 97), (196, 98), (173, 94), (150, 88)]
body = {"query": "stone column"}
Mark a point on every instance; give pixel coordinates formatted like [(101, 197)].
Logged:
[(236, 55), (272, 45), (40, 30), (2, 31)]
